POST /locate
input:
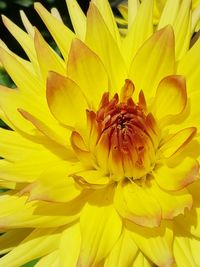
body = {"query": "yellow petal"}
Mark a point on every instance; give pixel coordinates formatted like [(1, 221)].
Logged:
[(170, 98), (16, 212), (177, 142), (57, 30), (22, 77), (183, 253), (84, 67), (44, 51), (195, 248), (189, 66), (40, 242), (63, 95), (158, 53), (173, 203), (93, 177), (27, 24), (51, 260), (100, 228), (57, 133), (54, 185), (142, 261), (155, 243), (137, 204), (24, 40), (108, 17), (176, 178), (100, 40), (12, 238), (140, 30), (78, 18), (123, 253), (69, 248)]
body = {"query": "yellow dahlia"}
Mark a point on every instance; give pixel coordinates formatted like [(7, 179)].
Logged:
[(101, 161)]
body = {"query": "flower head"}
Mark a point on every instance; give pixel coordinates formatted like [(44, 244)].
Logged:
[(101, 161)]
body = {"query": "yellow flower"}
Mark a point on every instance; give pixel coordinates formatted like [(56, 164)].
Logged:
[(102, 159)]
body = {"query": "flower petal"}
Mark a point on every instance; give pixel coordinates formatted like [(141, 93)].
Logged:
[(57, 30), (158, 53), (173, 203), (100, 40), (140, 30), (155, 243), (137, 204), (84, 67), (142, 261), (170, 98), (94, 177), (66, 100), (123, 253), (176, 178), (44, 51), (78, 18), (70, 243), (102, 230), (40, 242), (51, 260)]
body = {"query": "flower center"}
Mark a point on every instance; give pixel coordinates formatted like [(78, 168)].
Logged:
[(125, 136)]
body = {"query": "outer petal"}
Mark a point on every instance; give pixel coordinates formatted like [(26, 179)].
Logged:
[(85, 68), (100, 228), (141, 261), (78, 18), (40, 242), (12, 238), (183, 252), (108, 17), (123, 253), (65, 100), (51, 260), (44, 52), (158, 55), (155, 243), (17, 213), (70, 246), (139, 31), (137, 204), (176, 178), (57, 29), (102, 43), (170, 98)]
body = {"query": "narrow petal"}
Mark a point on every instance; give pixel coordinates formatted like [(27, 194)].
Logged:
[(100, 40), (170, 98), (140, 30), (137, 204), (100, 228), (195, 248), (70, 246), (158, 53), (123, 253), (57, 30), (27, 24), (40, 242), (108, 17), (44, 51), (51, 260), (177, 178), (78, 18), (155, 243), (66, 100), (12, 238), (22, 77), (24, 40), (56, 133), (16, 212)]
